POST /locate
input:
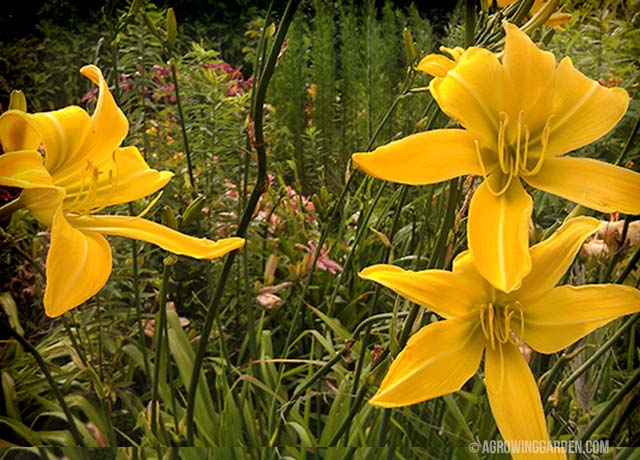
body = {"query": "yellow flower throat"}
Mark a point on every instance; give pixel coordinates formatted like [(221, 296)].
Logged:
[(496, 320), (91, 194), (513, 156)]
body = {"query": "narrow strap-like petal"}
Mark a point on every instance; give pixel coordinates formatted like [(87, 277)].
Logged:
[(166, 238), (498, 231), (591, 183), (423, 158), (448, 294), (78, 266), (437, 360), (515, 403), (568, 313), (23, 169), (109, 126), (551, 258)]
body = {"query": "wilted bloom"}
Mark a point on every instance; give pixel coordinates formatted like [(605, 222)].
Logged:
[(480, 319), (84, 171), (520, 116)]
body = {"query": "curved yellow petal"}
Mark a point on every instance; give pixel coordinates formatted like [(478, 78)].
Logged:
[(62, 132), (473, 94), (423, 158), (78, 266), (448, 294), (557, 20), (551, 258), (515, 400), (436, 65), (568, 313), (133, 178), (16, 133), (437, 360), (23, 169), (498, 233), (43, 203), (145, 230), (591, 183), (584, 110), (529, 72), (126, 177), (109, 126)]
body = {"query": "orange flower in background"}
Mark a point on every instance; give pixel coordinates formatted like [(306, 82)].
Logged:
[(84, 171)]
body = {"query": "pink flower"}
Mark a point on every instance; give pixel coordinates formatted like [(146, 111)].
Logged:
[(325, 263)]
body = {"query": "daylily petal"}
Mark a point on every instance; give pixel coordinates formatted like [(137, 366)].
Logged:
[(436, 65), (437, 360), (446, 293), (166, 238), (568, 313), (78, 266), (15, 132), (109, 126), (43, 203), (584, 110), (591, 183), (498, 231), (557, 20), (126, 177), (23, 169), (514, 399), (61, 132), (551, 258), (527, 66), (465, 267), (133, 178), (423, 158), (472, 94)]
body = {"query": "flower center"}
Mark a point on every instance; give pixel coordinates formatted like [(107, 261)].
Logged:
[(92, 192), (496, 320), (513, 152)]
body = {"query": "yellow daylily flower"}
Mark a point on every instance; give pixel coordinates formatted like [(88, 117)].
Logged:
[(478, 318), (520, 116), (84, 171)]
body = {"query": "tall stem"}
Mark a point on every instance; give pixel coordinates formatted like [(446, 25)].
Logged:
[(258, 118)]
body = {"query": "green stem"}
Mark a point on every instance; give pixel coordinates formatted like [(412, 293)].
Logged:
[(258, 115), (159, 342), (611, 404), (183, 126), (348, 420), (54, 386), (469, 21), (627, 145), (599, 352), (9, 208)]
